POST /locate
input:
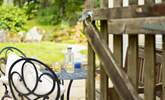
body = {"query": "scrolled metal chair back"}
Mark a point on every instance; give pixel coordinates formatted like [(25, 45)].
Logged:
[(3, 60), (3, 56), (6, 50), (2, 66), (18, 79)]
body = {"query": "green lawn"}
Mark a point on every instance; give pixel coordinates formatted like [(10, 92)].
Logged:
[(48, 52), (33, 22)]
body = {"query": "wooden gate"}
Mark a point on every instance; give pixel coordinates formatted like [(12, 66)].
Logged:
[(147, 18)]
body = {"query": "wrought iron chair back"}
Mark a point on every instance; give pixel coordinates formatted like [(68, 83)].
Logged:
[(2, 66), (31, 91), (3, 59), (4, 53), (6, 50)]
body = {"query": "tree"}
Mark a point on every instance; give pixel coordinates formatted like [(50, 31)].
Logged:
[(8, 2)]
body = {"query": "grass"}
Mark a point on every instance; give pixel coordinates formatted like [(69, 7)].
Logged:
[(48, 52), (33, 22)]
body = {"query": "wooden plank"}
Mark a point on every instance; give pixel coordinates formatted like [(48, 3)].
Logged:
[(133, 55), (132, 11), (118, 39), (133, 60), (118, 44), (104, 37), (149, 2), (163, 69), (90, 83), (149, 68), (118, 3), (91, 74), (150, 62), (103, 76), (118, 48), (133, 2), (135, 25), (90, 4), (119, 78), (104, 3)]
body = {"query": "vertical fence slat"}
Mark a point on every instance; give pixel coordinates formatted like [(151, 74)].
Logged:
[(149, 67), (163, 69), (133, 2), (118, 48), (133, 60), (104, 37), (148, 2), (118, 39), (91, 74), (133, 55), (117, 3), (90, 83), (103, 76)]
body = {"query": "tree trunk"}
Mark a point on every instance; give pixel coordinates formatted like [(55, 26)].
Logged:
[(8, 2)]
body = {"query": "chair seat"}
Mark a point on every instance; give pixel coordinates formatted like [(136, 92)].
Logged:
[(27, 81)]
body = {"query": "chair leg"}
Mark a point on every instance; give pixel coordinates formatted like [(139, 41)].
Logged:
[(6, 94)]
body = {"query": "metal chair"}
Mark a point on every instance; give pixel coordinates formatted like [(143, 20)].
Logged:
[(3, 58), (19, 80)]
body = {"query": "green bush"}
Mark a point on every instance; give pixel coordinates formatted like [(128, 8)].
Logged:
[(12, 18), (31, 8), (48, 16), (59, 11)]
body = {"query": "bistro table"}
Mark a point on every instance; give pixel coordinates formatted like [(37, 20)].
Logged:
[(78, 74)]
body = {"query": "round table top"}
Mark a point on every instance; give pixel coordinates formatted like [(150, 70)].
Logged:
[(77, 75)]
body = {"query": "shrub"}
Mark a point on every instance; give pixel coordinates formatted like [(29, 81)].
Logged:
[(12, 18), (31, 8), (48, 16)]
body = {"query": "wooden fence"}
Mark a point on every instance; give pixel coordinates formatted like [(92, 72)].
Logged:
[(147, 19)]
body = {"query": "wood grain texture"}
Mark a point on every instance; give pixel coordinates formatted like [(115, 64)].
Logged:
[(149, 68), (135, 25), (118, 40), (149, 2), (118, 49), (133, 60), (103, 75), (118, 43), (133, 55), (163, 69), (132, 11), (133, 2), (104, 37), (118, 3), (91, 74), (90, 4), (119, 78), (90, 83)]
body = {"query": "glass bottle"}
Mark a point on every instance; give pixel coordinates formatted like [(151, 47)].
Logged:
[(69, 60)]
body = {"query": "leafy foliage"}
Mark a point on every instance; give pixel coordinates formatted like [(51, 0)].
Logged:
[(59, 11), (73, 11), (31, 8), (48, 16), (12, 18)]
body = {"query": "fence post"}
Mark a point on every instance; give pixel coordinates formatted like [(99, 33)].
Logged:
[(118, 49), (90, 82), (133, 55), (104, 37), (149, 65)]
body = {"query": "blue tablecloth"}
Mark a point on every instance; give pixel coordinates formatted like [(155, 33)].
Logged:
[(77, 75), (64, 75)]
